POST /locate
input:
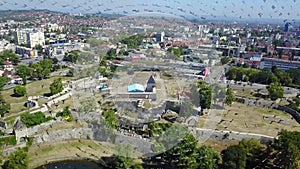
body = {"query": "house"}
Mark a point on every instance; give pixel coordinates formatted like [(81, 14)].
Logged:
[(8, 66)]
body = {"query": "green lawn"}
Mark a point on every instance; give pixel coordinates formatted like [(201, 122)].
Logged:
[(36, 88)]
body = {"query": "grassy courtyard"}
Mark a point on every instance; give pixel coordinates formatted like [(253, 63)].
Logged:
[(243, 118)]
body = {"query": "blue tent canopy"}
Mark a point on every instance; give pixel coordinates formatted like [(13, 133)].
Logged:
[(136, 88)]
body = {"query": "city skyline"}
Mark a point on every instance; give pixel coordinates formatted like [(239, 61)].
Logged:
[(269, 9)]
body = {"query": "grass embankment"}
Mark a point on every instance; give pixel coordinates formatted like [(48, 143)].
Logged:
[(44, 153)]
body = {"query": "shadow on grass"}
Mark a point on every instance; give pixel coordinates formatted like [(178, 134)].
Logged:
[(15, 95), (47, 94)]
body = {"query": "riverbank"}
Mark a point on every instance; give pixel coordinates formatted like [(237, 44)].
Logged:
[(42, 154), (72, 163)]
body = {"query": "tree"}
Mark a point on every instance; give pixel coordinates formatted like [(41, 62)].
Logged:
[(205, 94), (181, 155), (24, 71), (17, 160), (71, 56), (46, 66), (207, 158), (294, 74), (37, 71), (275, 91), (234, 157), (4, 106), (265, 77), (124, 159), (20, 91), (133, 41), (3, 81), (9, 54), (56, 86), (225, 60), (34, 119), (71, 72), (229, 96), (177, 51), (39, 48), (287, 148), (103, 71), (283, 77), (254, 152), (111, 53), (111, 118)]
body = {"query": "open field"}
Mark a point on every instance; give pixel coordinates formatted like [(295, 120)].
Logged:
[(41, 154), (243, 118)]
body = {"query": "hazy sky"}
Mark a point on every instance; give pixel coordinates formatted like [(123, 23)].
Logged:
[(282, 9)]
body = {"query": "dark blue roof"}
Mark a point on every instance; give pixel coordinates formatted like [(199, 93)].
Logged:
[(151, 80)]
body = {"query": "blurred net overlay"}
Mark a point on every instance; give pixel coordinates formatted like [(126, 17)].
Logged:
[(125, 93)]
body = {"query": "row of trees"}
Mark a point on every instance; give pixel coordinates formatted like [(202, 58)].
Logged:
[(249, 153), (39, 70), (288, 78)]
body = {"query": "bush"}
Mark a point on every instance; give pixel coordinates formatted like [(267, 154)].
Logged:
[(20, 91), (66, 113), (34, 119), (11, 140), (111, 118)]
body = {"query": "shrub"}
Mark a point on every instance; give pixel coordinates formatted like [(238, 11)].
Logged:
[(20, 91)]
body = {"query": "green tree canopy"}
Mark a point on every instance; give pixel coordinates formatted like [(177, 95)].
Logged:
[(3, 81), (72, 56), (288, 150), (205, 94), (9, 54), (20, 91), (133, 41), (229, 96), (34, 119), (24, 72), (46, 65), (186, 154), (56, 86), (234, 157), (17, 160), (124, 158), (4, 106), (207, 158), (111, 118), (294, 74), (275, 90)]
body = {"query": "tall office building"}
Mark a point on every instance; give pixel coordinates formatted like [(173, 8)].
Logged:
[(160, 37)]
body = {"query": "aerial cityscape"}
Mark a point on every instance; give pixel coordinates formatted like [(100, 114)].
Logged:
[(162, 84)]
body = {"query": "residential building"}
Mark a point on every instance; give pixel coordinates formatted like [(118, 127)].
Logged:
[(30, 37), (268, 63)]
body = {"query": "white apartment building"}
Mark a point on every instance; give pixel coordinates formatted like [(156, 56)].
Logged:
[(30, 37)]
